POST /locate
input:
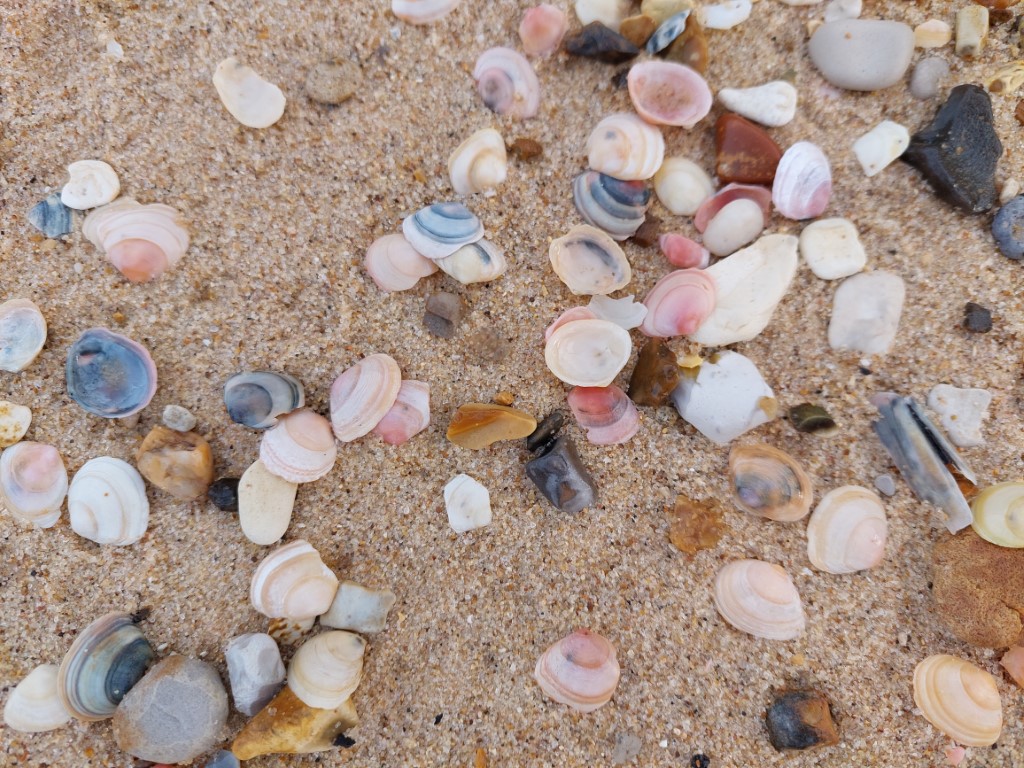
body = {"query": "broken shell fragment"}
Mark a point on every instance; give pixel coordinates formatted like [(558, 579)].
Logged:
[(682, 185), (249, 98), (419, 12), (326, 670), (606, 413), (287, 726), (559, 474), (479, 163), (998, 514), (625, 147), (409, 416), (589, 261), (33, 483), (362, 396), (34, 705), (51, 217), (768, 482), (141, 241), (759, 598), (289, 631), (478, 425), (542, 29), (617, 207), (292, 582), (667, 31), (440, 229), (588, 353), (257, 398), (959, 699), (395, 265), (772, 104), (107, 502), (666, 93), (14, 422), (300, 448), (468, 504), (580, 670), (679, 303), (92, 183), (803, 182), (358, 608), (507, 83), (110, 375), (847, 531), (265, 504), (478, 262), (180, 463), (22, 334), (624, 312)]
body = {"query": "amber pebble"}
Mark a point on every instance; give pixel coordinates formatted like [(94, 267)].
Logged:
[(504, 398), (477, 425), (691, 47), (801, 719), (649, 231), (693, 526), (655, 376), (811, 418), (525, 149), (638, 29), (744, 152), (596, 41), (180, 463), (286, 726)]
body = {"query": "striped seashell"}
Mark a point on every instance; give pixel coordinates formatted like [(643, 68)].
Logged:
[(606, 413), (409, 416), (507, 83), (624, 312), (542, 29), (33, 483), (679, 303), (666, 93), (422, 11), (589, 261), (959, 699), (440, 229), (729, 194), (570, 315), (847, 531), (257, 398), (478, 262), (803, 182), (34, 705), (92, 183), (293, 583), (617, 207), (110, 375), (767, 482), (395, 265), (142, 241), (326, 670), (362, 396), (588, 353), (682, 185), (22, 334), (300, 448), (107, 502), (625, 147), (759, 598), (251, 100), (478, 164), (683, 252), (579, 670)]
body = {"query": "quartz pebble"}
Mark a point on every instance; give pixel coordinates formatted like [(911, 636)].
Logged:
[(637, 29), (333, 81), (837, 10), (694, 525), (655, 376), (14, 422), (971, 30), (358, 608), (223, 494), (933, 33), (443, 314), (801, 719), (178, 418), (738, 223), (265, 503), (50, 216), (877, 148), (744, 152), (886, 485), (596, 41), (862, 54), (560, 475), (627, 747), (255, 671), (179, 463), (927, 77), (832, 248), (608, 12), (287, 726), (977, 319), (478, 425), (1008, 229), (961, 412), (682, 185), (468, 504), (866, 312), (772, 104)]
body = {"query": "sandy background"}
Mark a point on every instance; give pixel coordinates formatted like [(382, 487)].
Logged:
[(280, 220)]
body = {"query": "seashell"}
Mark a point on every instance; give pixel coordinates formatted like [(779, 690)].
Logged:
[(478, 425), (440, 229), (468, 504), (362, 396), (1013, 662), (803, 182), (22, 334), (292, 582), (579, 670), (479, 163), (571, 315), (142, 241), (772, 104), (289, 631), (107, 658), (33, 483), (589, 261), (422, 11), (14, 422), (265, 504), (666, 93), (679, 303), (847, 531), (478, 262), (180, 463), (542, 29), (34, 705), (727, 15), (607, 414), (683, 252), (287, 726), (625, 147), (767, 482), (395, 265), (251, 100), (301, 448), (959, 699), (51, 217), (107, 502), (507, 83), (92, 183), (617, 207), (759, 598), (668, 31), (730, 193), (682, 185), (327, 669), (588, 353), (998, 514), (256, 398), (561, 477), (409, 416), (110, 375), (624, 312), (358, 608)]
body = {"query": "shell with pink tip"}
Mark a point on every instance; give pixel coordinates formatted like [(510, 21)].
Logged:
[(730, 194), (683, 252), (292, 582), (507, 83), (625, 147), (142, 241), (588, 353), (570, 315), (395, 265), (803, 182), (607, 414), (542, 29), (579, 670), (409, 416), (33, 483), (959, 699), (300, 448), (759, 598), (679, 303), (422, 11), (847, 531), (362, 395), (666, 93)]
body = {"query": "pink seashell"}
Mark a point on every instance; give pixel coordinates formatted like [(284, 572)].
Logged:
[(507, 83), (683, 252), (607, 414), (679, 303), (142, 241), (954, 754), (579, 670), (300, 448), (730, 193), (542, 29), (362, 396), (576, 313), (803, 182), (666, 93), (409, 416), (395, 265)]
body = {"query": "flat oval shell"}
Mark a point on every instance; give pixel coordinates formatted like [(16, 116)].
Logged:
[(249, 98), (107, 502), (589, 261), (666, 93), (142, 241), (959, 699), (33, 483), (22, 334), (300, 448), (265, 504), (998, 514), (847, 531), (606, 413), (588, 353), (110, 375), (362, 396), (395, 265), (759, 598), (34, 705)]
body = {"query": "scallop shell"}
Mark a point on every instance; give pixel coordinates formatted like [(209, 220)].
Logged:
[(959, 699), (683, 252), (33, 483), (679, 303), (395, 265), (107, 502), (589, 262), (569, 316), (998, 514), (478, 262), (507, 83), (467, 503), (34, 705), (409, 416), (682, 185), (22, 334), (770, 483), (141, 241), (440, 229), (249, 98), (479, 163), (803, 182), (542, 29), (422, 11), (257, 398), (759, 598), (579, 670), (847, 531), (666, 93), (107, 658), (588, 353), (92, 183), (624, 312), (110, 375), (327, 669), (730, 194), (617, 207), (301, 448), (362, 396), (625, 147), (607, 414), (292, 582)]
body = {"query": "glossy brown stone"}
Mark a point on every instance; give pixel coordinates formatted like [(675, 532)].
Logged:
[(648, 233), (287, 726), (478, 425), (638, 29), (801, 719), (655, 376), (180, 463), (525, 148), (744, 152), (691, 47), (694, 525), (1018, 112)]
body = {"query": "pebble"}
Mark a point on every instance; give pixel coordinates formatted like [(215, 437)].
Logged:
[(478, 425), (561, 477), (222, 759), (333, 81), (691, 47), (729, 14), (738, 223), (837, 10), (1009, 190), (178, 418), (693, 525), (648, 233), (14, 422), (596, 41), (51, 216), (801, 719), (443, 314), (255, 671), (812, 419), (927, 78), (862, 54), (933, 33), (662, 10), (488, 345), (655, 376), (265, 504), (638, 29), (525, 149), (359, 609), (886, 485), (744, 152), (866, 312), (467, 503), (961, 412), (543, 437), (681, 185), (877, 148), (971, 30), (977, 319), (179, 463), (1018, 112), (627, 747), (1008, 229), (832, 248), (223, 493), (772, 104), (288, 726)]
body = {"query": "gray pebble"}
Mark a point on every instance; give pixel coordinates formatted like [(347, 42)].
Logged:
[(179, 419), (443, 315), (333, 81), (255, 671), (627, 747), (51, 216), (928, 77), (885, 485), (1008, 229), (862, 54)]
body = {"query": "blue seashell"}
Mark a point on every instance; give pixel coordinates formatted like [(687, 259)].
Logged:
[(439, 230), (223, 759), (110, 375), (51, 216), (669, 30), (256, 398), (617, 207)]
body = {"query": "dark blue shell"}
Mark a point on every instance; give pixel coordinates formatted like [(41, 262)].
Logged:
[(1008, 229), (110, 375), (51, 216), (617, 207)]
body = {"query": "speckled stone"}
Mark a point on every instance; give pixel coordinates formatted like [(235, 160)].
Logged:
[(178, 418)]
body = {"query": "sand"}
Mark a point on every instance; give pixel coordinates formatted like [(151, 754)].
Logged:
[(273, 279)]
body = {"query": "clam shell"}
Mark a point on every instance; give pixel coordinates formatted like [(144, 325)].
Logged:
[(249, 98), (507, 83), (362, 396), (107, 502), (959, 699), (770, 483), (588, 353), (607, 414), (998, 514), (142, 241), (107, 658), (683, 252), (395, 265), (409, 416), (257, 398), (422, 11), (730, 194), (22, 334), (14, 422), (624, 312), (759, 598), (327, 669), (569, 316), (625, 147), (617, 207), (666, 93), (293, 583), (579, 670), (301, 448), (478, 262), (479, 163), (33, 483), (110, 375), (803, 182), (92, 183), (847, 531), (679, 303), (542, 29), (682, 185), (440, 229), (34, 705), (589, 262), (468, 504)]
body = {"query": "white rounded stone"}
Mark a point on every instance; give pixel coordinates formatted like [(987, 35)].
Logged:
[(862, 54), (927, 77), (877, 148), (93, 183), (738, 223), (933, 33), (682, 185), (961, 412), (832, 248), (727, 15), (772, 104), (866, 312), (468, 504), (265, 504)]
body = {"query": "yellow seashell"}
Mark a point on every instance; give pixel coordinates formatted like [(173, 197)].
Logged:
[(999, 514)]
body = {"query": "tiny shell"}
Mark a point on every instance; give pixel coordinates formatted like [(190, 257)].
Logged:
[(34, 705), (249, 98), (667, 93), (624, 312), (92, 183), (803, 182), (256, 398), (730, 194), (606, 413), (571, 315), (768, 482), (588, 353), (589, 261), (683, 252), (998, 514), (440, 229), (959, 699), (395, 265), (617, 207), (409, 416), (362, 395), (14, 422), (847, 531), (33, 483), (327, 669), (265, 504), (107, 502), (110, 375), (293, 583), (507, 83), (422, 11), (180, 463), (142, 241), (359, 609), (759, 598), (468, 504), (300, 448), (772, 104), (478, 262), (542, 29), (579, 670), (625, 147), (22, 334), (479, 163), (679, 303)]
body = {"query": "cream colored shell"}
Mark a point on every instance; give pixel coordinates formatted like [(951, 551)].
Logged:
[(249, 98), (959, 699), (759, 598), (34, 705), (292, 582), (589, 261), (479, 163), (422, 11), (588, 353), (300, 448), (999, 514), (142, 241), (847, 531), (580, 670), (33, 483), (625, 147), (327, 669), (107, 502)]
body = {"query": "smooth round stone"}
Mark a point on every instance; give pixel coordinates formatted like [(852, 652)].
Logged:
[(744, 152), (178, 418), (927, 77), (180, 463), (862, 54), (866, 312), (737, 224), (886, 485), (832, 248), (1008, 229), (333, 81), (265, 504)]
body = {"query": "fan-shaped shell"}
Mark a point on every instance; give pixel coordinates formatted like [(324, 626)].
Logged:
[(666, 93), (409, 416), (107, 502), (998, 514), (22, 334), (478, 262), (440, 229), (362, 395), (588, 353), (507, 83), (395, 265), (589, 262), (142, 241), (959, 699), (607, 414), (34, 705), (251, 100), (293, 583), (679, 303), (730, 193), (803, 182), (542, 29), (617, 207), (479, 163), (683, 252), (257, 398), (422, 11), (91, 183), (33, 483), (847, 531), (759, 598), (569, 316), (300, 448), (769, 483), (327, 669), (110, 375), (580, 670), (625, 147)]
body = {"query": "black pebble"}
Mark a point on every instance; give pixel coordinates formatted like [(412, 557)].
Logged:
[(801, 719), (977, 318), (341, 740), (437, 718), (1008, 229), (596, 41), (224, 494), (443, 314), (561, 477), (543, 437), (700, 761)]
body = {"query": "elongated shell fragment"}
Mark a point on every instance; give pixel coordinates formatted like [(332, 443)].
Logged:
[(300, 448), (959, 699), (625, 147), (292, 582), (847, 531), (479, 163), (107, 502), (249, 98), (617, 207), (22, 334), (507, 83), (589, 261), (110, 375), (759, 598), (34, 705), (588, 353), (362, 396), (998, 514), (422, 11), (440, 229), (257, 398), (92, 183), (142, 241), (327, 669), (768, 482), (395, 265), (580, 670), (33, 483)]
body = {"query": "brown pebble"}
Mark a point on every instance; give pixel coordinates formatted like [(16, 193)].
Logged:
[(480, 761), (1018, 112), (180, 463), (744, 152), (638, 29), (333, 81), (504, 398), (647, 235), (478, 425), (286, 726), (655, 376), (691, 47), (801, 719), (488, 345), (694, 525), (525, 149), (443, 314)]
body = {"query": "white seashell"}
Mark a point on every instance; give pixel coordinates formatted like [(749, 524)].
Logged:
[(359, 609), (803, 182), (832, 248), (738, 223), (439, 230), (479, 163), (772, 104), (569, 316), (107, 502), (34, 705), (759, 598), (625, 147), (22, 334), (959, 699), (14, 422), (682, 185), (877, 148), (468, 504), (300, 448), (588, 353), (837, 10), (667, 93), (249, 98), (624, 312), (933, 33), (580, 670), (478, 262), (847, 531), (142, 241), (93, 183), (507, 83), (727, 15), (327, 669), (768, 482), (265, 504), (589, 261), (293, 583), (395, 265), (422, 11), (33, 483), (542, 29), (961, 412), (999, 515), (866, 312), (255, 671), (608, 12)]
